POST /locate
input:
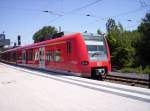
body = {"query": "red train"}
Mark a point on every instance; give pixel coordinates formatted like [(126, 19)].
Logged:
[(84, 55)]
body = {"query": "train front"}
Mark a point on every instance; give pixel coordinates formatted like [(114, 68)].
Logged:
[(99, 55)]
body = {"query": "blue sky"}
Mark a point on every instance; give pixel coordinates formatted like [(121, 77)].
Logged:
[(25, 17)]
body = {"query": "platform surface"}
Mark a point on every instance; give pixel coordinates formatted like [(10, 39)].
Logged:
[(29, 90)]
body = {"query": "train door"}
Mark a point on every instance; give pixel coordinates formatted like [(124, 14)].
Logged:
[(69, 50), (24, 57), (41, 57)]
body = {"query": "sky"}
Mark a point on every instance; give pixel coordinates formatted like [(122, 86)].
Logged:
[(25, 17)]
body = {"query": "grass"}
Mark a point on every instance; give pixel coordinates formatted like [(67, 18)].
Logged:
[(139, 70)]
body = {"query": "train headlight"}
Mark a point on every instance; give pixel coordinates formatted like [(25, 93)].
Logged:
[(84, 62)]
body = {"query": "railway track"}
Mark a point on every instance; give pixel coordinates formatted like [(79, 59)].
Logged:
[(132, 81), (118, 78)]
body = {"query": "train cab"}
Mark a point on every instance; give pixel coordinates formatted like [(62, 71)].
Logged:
[(98, 55)]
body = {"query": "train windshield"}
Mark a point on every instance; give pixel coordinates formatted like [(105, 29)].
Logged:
[(96, 50)]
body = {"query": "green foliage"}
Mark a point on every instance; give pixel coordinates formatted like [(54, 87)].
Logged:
[(130, 48), (139, 70), (99, 32), (146, 70), (111, 25), (143, 45), (128, 70), (121, 45), (43, 34)]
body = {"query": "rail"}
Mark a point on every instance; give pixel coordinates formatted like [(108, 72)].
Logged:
[(121, 78), (131, 80)]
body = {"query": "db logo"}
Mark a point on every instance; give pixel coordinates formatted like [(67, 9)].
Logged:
[(99, 64)]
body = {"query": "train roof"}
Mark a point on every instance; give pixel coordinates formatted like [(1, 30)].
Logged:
[(91, 36), (86, 36), (44, 42)]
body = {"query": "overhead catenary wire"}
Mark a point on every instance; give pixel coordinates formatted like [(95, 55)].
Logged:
[(70, 12), (78, 9), (83, 7), (75, 10), (117, 15), (130, 12), (114, 16), (33, 10), (19, 8), (61, 14), (56, 13)]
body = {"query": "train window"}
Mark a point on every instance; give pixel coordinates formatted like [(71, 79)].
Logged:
[(69, 48), (57, 55), (30, 55), (14, 56), (96, 50), (9, 56), (36, 55), (24, 56), (19, 57), (49, 55)]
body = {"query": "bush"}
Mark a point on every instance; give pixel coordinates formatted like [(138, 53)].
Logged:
[(139, 69), (146, 70), (127, 70)]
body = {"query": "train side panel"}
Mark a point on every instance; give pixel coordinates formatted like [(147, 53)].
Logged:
[(69, 53)]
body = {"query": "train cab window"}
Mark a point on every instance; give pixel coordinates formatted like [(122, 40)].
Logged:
[(49, 56), (57, 54), (96, 50)]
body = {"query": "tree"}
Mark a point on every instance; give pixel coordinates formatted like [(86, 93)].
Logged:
[(99, 31), (129, 48), (112, 38), (143, 46), (120, 27), (120, 43), (45, 33), (111, 25)]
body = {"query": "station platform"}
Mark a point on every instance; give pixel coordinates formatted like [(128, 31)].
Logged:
[(24, 89)]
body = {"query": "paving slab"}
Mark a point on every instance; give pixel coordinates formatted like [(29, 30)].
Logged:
[(26, 90)]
